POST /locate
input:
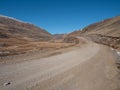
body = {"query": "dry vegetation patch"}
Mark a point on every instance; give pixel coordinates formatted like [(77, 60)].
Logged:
[(24, 47)]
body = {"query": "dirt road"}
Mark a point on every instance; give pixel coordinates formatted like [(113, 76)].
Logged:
[(91, 67)]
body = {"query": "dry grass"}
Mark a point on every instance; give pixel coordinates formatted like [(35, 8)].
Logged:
[(9, 48)]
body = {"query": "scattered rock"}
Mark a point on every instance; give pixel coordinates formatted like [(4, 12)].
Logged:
[(7, 83), (118, 53)]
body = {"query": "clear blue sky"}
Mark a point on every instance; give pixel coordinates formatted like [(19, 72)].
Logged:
[(60, 16)]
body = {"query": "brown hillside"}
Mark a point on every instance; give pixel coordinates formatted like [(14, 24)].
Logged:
[(108, 27), (17, 29), (17, 37), (105, 32)]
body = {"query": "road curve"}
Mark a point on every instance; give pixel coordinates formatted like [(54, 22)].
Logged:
[(89, 67)]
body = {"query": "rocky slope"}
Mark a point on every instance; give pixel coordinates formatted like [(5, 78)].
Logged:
[(105, 32), (10, 27), (108, 27), (15, 35)]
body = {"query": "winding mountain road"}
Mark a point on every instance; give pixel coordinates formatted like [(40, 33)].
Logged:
[(90, 67)]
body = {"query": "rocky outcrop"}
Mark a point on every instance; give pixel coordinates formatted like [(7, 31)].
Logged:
[(113, 42)]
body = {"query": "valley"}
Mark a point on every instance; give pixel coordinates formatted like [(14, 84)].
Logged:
[(33, 59)]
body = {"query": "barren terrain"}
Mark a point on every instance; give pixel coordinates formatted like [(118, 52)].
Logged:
[(105, 32), (89, 67), (22, 48)]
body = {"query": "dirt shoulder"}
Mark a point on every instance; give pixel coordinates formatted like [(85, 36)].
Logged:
[(35, 55)]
